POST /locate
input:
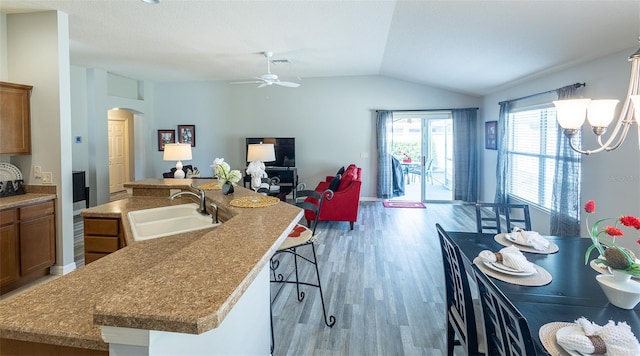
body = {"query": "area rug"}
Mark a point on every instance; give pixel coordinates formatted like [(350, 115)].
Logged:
[(403, 204)]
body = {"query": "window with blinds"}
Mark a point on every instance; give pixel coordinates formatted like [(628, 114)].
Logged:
[(532, 154)]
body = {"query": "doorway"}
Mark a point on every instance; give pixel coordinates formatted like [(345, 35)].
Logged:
[(119, 149), (423, 144)]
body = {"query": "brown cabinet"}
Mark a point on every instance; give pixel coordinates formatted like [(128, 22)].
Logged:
[(102, 236), (15, 119), (27, 243), (9, 266)]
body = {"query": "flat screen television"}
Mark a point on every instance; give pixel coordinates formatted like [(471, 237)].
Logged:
[(285, 148)]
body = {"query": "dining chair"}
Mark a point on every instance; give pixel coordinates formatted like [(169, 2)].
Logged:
[(506, 330), (489, 217), (462, 313), (300, 237)]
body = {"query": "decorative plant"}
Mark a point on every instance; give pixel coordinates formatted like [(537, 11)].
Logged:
[(615, 256), (222, 170)]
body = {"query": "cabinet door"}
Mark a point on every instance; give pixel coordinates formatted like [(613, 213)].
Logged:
[(37, 244), (9, 269), (15, 119)]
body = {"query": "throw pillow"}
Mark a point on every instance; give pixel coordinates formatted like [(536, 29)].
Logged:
[(340, 171), (335, 183), (346, 179)]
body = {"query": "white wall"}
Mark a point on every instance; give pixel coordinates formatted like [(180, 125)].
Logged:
[(612, 179), (38, 55), (332, 119)]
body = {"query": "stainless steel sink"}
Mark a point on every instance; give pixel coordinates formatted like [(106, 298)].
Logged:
[(170, 220)]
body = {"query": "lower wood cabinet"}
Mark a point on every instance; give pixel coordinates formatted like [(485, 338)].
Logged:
[(102, 236), (27, 243)]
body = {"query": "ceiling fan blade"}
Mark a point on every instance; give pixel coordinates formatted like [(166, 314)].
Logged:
[(287, 84), (247, 82), (263, 85)]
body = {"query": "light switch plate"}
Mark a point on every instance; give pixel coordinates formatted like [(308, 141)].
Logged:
[(37, 172), (47, 177)]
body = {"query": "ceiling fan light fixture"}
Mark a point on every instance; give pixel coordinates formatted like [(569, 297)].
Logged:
[(269, 78)]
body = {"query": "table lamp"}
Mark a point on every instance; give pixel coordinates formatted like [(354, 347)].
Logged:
[(177, 152), (256, 154)]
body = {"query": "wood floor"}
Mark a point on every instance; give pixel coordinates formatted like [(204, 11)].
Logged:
[(383, 281)]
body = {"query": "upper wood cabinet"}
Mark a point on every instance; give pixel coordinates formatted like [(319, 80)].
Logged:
[(15, 119)]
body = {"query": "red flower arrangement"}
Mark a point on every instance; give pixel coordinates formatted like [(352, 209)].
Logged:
[(613, 231)]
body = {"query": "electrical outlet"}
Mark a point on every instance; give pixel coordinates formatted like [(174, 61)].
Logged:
[(47, 177), (37, 172)]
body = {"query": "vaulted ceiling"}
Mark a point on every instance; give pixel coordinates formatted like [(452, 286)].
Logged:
[(473, 47)]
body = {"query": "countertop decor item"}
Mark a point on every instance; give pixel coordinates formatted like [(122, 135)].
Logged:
[(620, 289), (616, 257), (177, 152), (226, 175)]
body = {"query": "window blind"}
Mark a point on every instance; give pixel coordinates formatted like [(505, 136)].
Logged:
[(532, 154)]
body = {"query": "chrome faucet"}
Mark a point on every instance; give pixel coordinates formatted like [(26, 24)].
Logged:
[(214, 213), (200, 196)]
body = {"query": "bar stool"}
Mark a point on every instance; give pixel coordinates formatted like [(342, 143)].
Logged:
[(302, 236)]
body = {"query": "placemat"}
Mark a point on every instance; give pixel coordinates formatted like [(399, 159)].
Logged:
[(553, 248), (547, 334), (254, 201), (211, 186), (535, 280)]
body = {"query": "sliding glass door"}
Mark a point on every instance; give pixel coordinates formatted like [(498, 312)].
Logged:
[(423, 145)]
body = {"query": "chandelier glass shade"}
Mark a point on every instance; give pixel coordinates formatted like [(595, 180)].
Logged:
[(571, 114)]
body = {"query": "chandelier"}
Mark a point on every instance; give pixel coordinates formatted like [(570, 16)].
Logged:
[(571, 114)]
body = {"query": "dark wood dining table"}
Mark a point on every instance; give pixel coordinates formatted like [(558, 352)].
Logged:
[(572, 293)]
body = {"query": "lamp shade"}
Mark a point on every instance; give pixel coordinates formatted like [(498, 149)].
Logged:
[(177, 152), (261, 152), (571, 113), (600, 112)]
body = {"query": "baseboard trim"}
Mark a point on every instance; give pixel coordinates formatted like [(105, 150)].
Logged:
[(62, 270)]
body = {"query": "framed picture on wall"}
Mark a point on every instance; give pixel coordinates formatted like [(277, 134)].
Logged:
[(164, 137), (491, 135), (187, 134)]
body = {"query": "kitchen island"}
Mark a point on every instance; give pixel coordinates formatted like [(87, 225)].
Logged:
[(201, 291)]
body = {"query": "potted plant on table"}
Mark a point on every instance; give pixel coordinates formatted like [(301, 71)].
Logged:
[(226, 176), (615, 256)]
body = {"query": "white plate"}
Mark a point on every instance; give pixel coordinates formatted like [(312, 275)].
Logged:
[(499, 267), (574, 329), (510, 237), (9, 172)]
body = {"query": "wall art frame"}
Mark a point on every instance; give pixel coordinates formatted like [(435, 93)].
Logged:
[(164, 137), (491, 135), (187, 134)]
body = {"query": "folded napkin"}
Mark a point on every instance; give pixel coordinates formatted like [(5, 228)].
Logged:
[(612, 339), (531, 238), (510, 257)]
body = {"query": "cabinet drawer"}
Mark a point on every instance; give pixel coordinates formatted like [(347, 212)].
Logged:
[(105, 227), (90, 257), (7, 216), (100, 244), (36, 210)]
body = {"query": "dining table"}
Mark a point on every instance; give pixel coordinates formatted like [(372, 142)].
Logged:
[(572, 293)]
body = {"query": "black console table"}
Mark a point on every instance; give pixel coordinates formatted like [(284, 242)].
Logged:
[(80, 190), (288, 180)]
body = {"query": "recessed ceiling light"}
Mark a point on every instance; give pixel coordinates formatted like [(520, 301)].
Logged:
[(151, 1)]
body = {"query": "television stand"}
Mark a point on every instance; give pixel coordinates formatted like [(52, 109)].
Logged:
[(288, 180)]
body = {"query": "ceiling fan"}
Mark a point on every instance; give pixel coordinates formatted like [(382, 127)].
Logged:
[(269, 78)]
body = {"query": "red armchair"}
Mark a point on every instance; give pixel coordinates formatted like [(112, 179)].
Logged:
[(346, 198)]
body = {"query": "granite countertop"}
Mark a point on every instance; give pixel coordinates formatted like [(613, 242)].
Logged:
[(183, 283), (24, 199)]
